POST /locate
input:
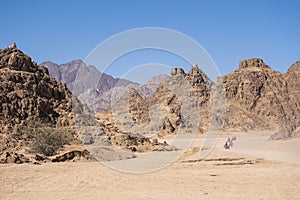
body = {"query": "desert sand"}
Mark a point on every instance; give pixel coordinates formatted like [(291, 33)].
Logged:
[(254, 168)]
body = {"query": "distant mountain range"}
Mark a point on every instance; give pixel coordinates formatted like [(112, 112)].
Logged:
[(67, 73), (105, 92), (257, 98)]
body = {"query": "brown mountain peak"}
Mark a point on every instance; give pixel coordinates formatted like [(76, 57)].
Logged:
[(14, 59), (197, 77), (253, 63), (295, 67)]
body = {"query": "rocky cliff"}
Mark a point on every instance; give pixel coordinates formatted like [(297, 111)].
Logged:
[(293, 82), (37, 115), (179, 96), (257, 98), (260, 98), (28, 94)]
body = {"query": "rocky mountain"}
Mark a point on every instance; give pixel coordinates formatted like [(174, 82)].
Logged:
[(255, 95), (28, 94), (292, 78), (39, 115), (148, 89), (68, 72), (177, 104), (104, 89), (105, 101), (259, 97), (256, 98)]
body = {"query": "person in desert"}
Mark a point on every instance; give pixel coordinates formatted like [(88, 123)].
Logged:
[(229, 143)]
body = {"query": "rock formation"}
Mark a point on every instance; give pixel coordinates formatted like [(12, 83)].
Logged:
[(254, 95), (293, 83), (164, 112), (259, 98), (104, 89), (68, 72), (28, 94)]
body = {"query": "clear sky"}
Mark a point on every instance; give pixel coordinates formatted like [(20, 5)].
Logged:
[(230, 30)]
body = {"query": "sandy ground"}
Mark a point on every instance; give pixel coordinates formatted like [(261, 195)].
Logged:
[(255, 168)]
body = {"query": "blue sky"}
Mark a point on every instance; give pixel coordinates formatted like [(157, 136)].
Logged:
[(230, 30)]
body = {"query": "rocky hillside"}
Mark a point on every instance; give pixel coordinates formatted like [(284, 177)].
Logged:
[(104, 89), (86, 82), (37, 116), (67, 73), (179, 96), (260, 98), (293, 81), (257, 98), (28, 92), (28, 95), (36, 109)]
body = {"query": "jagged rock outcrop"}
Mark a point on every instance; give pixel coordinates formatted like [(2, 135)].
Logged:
[(162, 113), (28, 94), (74, 155), (135, 142), (293, 83), (202, 87), (250, 91), (12, 157), (253, 63), (259, 98), (200, 83)]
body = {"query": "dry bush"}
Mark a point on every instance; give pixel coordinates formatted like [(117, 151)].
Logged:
[(46, 139)]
